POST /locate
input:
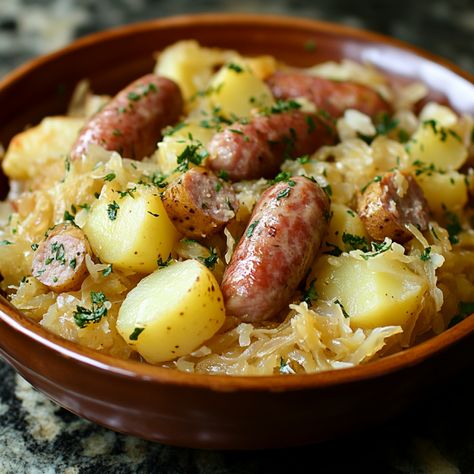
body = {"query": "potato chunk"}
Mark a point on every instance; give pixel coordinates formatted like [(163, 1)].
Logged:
[(344, 225), (236, 91), (130, 232), (380, 291), (172, 312), (443, 192), (437, 145), (31, 150)]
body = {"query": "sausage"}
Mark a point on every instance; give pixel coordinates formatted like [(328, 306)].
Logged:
[(331, 96), (199, 203), (276, 250), (257, 149), (60, 259), (132, 121), (389, 204)]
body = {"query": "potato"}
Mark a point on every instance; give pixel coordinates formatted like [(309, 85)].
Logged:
[(236, 91), (376, 292), (50, 141), (172, 312), (437, 145), (443, 191), (130, 232), (344, 221), (189, 65), (174, 144)]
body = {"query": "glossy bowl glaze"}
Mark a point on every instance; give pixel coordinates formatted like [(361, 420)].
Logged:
[(218, 411)]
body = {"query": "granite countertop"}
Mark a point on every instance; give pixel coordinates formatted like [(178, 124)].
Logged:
[(36, 436)]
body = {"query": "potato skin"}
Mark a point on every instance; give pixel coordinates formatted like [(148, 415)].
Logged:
[(385, 212), (199, 204)]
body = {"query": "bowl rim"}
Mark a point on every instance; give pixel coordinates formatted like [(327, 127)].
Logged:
[(152, 374)]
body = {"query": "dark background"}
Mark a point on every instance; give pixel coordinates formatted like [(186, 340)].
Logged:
[(435, 436)]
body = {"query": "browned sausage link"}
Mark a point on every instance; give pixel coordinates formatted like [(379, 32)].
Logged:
[(257, 149), (199, 203), (60, 260), (330, 96), (387, 206), (276, 250), (132, 121)]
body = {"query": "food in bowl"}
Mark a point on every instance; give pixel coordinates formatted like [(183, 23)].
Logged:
[(236, 215)]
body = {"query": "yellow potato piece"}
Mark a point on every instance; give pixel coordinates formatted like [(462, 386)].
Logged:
[(189, 65), (437, 145), (130, 232), (444, 192), (172, 312), (236, 91), (343, 221), (39, 146), (174, 144), (384, 294)]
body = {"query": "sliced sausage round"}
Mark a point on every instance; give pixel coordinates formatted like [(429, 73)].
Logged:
[(60, 259), (199, 203), (132, 121), (389, 204), (277, 249), (257, 149), (330, 96)]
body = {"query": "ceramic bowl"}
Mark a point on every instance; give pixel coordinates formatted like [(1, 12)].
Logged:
[(218, 411)]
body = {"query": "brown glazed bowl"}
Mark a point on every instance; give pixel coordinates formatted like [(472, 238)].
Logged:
[(218, 411)]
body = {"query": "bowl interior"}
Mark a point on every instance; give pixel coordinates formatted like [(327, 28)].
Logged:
[(114, 58)]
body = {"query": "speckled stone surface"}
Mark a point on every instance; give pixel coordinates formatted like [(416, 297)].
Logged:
[(435, 436)]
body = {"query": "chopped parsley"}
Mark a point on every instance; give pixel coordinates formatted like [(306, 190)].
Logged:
[(223, 175), (465, 309), (351, 212), (127, 192), (251, 228), (34, 247), (112, 209), (284, 193), (136, 332), (133, 96), (73, 263), (283, 176), (355, 242), (310, 294), (344, 312), (58, 253), (285, 367), (425, 256), (68, 216), (303, 159), (5, 242), (153, 214), (377, 179), (377, 249), (281, 106), (116, 132), (191, 154), (107, 270), (403, 136), (335, 251), (235, 67), (164, 263), (386, 124), (453, 226), (211, 260), (84, 316), (109, 177), (327, 189)]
